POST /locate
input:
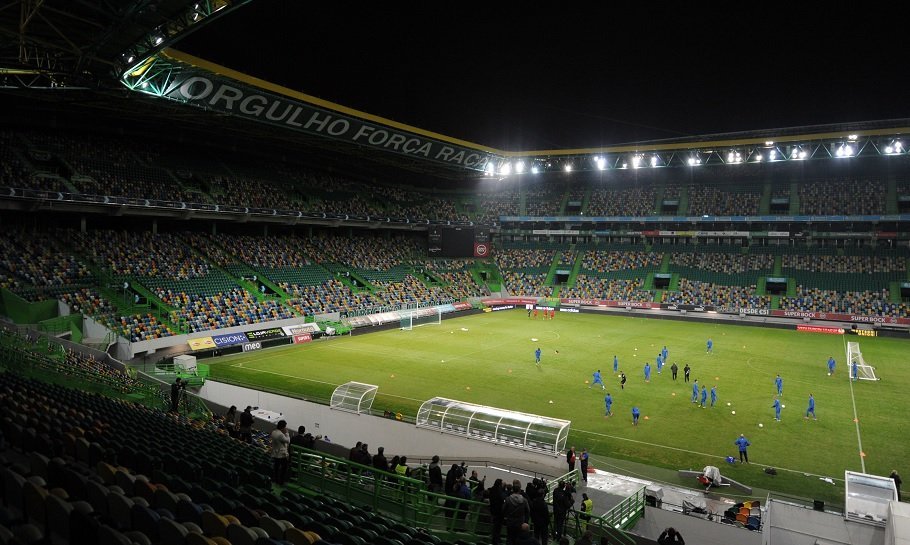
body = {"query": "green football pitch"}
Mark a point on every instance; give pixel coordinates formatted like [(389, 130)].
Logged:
[(489, 359)]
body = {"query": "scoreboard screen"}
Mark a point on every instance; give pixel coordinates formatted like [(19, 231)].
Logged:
[(467, 241)]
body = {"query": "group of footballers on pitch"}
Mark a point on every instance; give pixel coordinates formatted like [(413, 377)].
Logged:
[(547, 314), (697, 395)]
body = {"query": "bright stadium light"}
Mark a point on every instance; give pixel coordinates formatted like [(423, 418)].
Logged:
[(636, 161), (730, 157), (601, 163), (889, 149), (520, 167), (758, 158), (505, 169), (534, 170), (625, 165), (691, 161), (852, 137), (848, 151), (568, 167), (803, 155), (653, 161), (158, 40), (769, 143), (840, 151), (773, 154), (490, 169)]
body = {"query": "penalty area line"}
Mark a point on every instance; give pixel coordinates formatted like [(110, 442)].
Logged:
[(687, 451)]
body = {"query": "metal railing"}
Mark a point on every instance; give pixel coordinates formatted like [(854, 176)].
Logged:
[(401, 498)]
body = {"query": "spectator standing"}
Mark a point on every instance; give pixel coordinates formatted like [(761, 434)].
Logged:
[(540, 515), (435, 475), (897, 482), (246, 425), (570, 459), (380, 462), (515, 512), (279, 453), (175, 393), (230, 421), (497, 496)]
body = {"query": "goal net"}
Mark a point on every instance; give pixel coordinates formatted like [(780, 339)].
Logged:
[(420, 317), (864, 371)]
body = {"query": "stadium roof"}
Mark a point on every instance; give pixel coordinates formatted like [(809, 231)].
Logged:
[(509, 81)]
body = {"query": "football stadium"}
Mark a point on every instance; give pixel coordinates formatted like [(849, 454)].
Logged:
[(232, 312)]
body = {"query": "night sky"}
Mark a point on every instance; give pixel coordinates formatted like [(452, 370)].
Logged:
[(544, 78)]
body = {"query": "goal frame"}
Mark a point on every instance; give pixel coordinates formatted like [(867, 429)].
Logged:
[(864, 371), (420, 317)]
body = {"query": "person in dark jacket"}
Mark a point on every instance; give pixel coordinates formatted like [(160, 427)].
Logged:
[(497, 496), (246, 425), (380, 462), (540, 516), (435, 473), (515, 512)]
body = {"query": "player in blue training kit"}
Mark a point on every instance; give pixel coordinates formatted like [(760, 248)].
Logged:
[(831, 365), (776, 409), (660, 363), (635, 414), (779, 382), (615, 364), (665, 353), (704, 396), (811, 408), (695, 391), (537, 356), (598, 380), (710, 346), (647, 372), (854, 370), (608, 401), (713, 395)]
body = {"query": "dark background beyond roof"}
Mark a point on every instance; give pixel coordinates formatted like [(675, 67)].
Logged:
[(564, 77)]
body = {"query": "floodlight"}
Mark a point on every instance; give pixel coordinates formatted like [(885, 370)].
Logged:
[(773, 154), (889, 149), (653, 160), (691, 161), (568, 167), (505, 169), (898, 146), (803, 155), (130, 59), (520, 167), (635, 161), (758, 157), (840, 151), (490, 169), (534, 170), (730, 157), (625, 165), (601, 163), (851, 137), (158, 40), (769, 143)]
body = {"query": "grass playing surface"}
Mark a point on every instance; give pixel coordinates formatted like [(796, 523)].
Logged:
[(489, 359)]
